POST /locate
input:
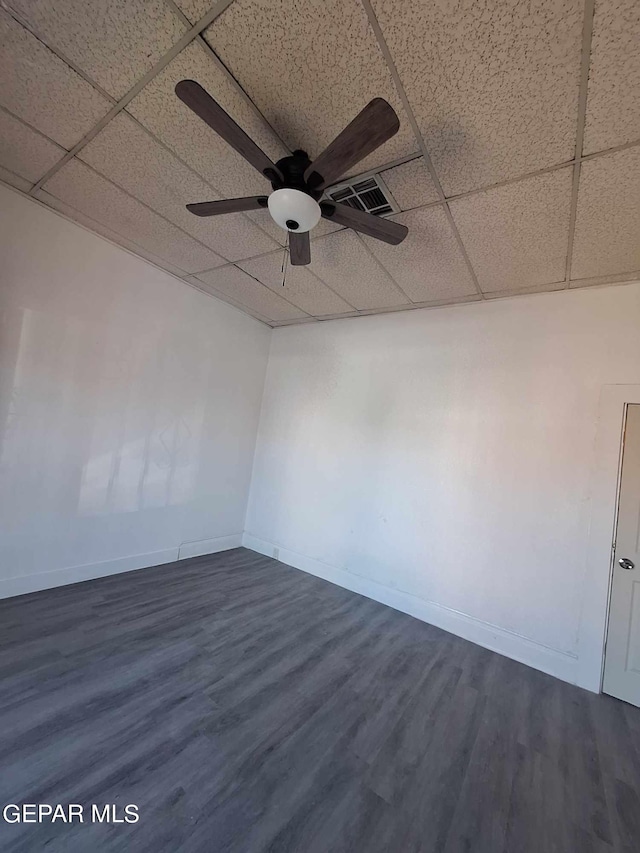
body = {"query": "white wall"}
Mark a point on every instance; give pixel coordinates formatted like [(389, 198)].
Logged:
[(440, 460), (129, 404)]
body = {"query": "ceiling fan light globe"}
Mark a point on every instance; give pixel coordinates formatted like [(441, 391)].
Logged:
[(288, 206)]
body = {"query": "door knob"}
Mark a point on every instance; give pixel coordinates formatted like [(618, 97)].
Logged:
[(626, 564)]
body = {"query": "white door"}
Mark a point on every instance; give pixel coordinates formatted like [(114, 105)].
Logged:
[(622, 657)]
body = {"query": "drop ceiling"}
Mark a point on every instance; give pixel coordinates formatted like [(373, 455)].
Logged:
[(516, 166)]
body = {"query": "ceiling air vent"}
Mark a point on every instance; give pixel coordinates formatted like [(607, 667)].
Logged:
[(368, 194)]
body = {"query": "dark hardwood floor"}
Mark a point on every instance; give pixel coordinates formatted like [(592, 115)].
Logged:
[(245, 706)]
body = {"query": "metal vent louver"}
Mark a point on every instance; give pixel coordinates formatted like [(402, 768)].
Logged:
[(367, 194)]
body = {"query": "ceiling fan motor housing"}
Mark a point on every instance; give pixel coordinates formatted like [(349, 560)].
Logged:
[(293, 205)]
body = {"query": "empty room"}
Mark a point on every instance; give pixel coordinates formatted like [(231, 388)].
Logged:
[(320, 426)]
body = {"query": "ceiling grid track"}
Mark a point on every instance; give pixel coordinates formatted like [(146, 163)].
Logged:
[(328, 286), (614, 278), (119, 106), (152, 210), (613, 150), (210, 290), (145, 254), (546, 170), (320, 279), (189, 279), (270, 289), (33, 129), (279, 251), (386, 53), (524, 176), (240, 260), (441, 202), (186, 165), (587, 34), (171, 54), (229, 74), (238, 87), (310, 271), (382, 266), (56, 52), (579, 81), (278, 247), (399, 161)]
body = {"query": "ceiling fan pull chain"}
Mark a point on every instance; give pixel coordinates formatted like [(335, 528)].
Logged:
[(283, 270)]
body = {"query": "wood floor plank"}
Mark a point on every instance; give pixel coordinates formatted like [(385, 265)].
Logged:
[(248, 707)]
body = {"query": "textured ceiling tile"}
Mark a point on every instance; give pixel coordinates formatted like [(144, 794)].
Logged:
[(247, 291), (264, 220), (342, 261), (25, 151), (93, 195), (115, 42), (410, 184), (301, 287), (126, 154), (42, 90), (159, 109), (325, 226), (517, 235), (310, 67), (14, 180), (103, 231), (450, 300), (607, 238), (613, 102), (224, 297), (194, 9), (493, 84), (428, 264)]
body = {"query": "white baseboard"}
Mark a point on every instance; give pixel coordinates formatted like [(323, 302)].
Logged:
[(74, 574), (89, 571), (557, 663), (209, 546)]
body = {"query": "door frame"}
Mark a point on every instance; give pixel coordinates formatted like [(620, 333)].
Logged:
[(602, 514)]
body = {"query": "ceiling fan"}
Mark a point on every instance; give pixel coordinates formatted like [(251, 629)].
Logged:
[(298, 183)]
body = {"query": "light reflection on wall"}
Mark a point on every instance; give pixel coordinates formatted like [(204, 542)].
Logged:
[(129, 406), (95, 420)]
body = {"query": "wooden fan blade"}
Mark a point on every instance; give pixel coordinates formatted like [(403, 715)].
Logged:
[(366, 223), (203, 105), (227, 205), (299, 248), (370, 128)]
